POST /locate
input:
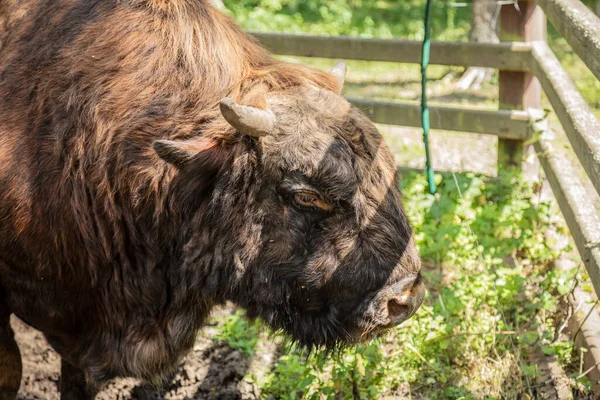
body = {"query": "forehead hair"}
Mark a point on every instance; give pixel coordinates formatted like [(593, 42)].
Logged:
[(321, 135)]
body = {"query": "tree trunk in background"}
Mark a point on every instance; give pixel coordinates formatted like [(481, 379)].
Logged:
[(483, 29), (483, 21), (219, 4)]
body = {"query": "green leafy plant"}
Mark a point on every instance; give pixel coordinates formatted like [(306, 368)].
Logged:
[(368, 18), (238, 332)]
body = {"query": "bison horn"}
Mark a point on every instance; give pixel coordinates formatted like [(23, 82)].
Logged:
[(339, 72), (251, 121)]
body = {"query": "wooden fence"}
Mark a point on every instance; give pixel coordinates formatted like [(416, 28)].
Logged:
[(527, 67)]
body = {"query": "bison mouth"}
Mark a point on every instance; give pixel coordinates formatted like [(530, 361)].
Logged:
[(332, 327)]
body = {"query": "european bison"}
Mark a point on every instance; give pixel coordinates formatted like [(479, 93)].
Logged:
[(154, 162)]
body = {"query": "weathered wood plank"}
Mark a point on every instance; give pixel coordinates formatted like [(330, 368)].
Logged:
[(578, 209), (588, 334), (513, 124), (579, 26), (584, 332), (506, 56), (519, 89), (578, 121), (552, 382)]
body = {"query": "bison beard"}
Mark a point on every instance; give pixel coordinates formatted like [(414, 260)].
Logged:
[(154, 162)]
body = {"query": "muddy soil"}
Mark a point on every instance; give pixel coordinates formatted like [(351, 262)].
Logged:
[(210, 371)]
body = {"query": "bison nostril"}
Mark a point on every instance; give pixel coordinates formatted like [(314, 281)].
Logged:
[(396, 308), (418, 280)]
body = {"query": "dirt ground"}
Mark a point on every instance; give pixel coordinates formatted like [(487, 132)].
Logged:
[(210, 371)]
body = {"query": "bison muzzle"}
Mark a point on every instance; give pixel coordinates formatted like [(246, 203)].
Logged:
[(155, 162)]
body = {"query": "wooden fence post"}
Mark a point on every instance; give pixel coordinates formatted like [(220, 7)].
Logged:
[(519, 90)]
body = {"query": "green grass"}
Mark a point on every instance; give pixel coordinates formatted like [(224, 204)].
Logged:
[(366, 18), (492, 294)]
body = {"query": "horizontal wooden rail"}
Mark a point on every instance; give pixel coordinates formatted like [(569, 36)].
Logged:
[(579, 26), (576, 205), (505, 56), (510, 124), (576, 118)]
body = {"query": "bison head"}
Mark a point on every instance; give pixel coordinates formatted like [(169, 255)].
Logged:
[(303, 224)]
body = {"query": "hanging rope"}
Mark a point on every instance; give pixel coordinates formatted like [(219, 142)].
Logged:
[(424, 108)]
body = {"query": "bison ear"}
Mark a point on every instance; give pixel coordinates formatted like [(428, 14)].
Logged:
[(187, 152)]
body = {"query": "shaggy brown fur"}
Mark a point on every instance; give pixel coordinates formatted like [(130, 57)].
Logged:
[(118, 256)]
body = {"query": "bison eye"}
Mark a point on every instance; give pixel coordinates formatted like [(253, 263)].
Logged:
[(309, 200)]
